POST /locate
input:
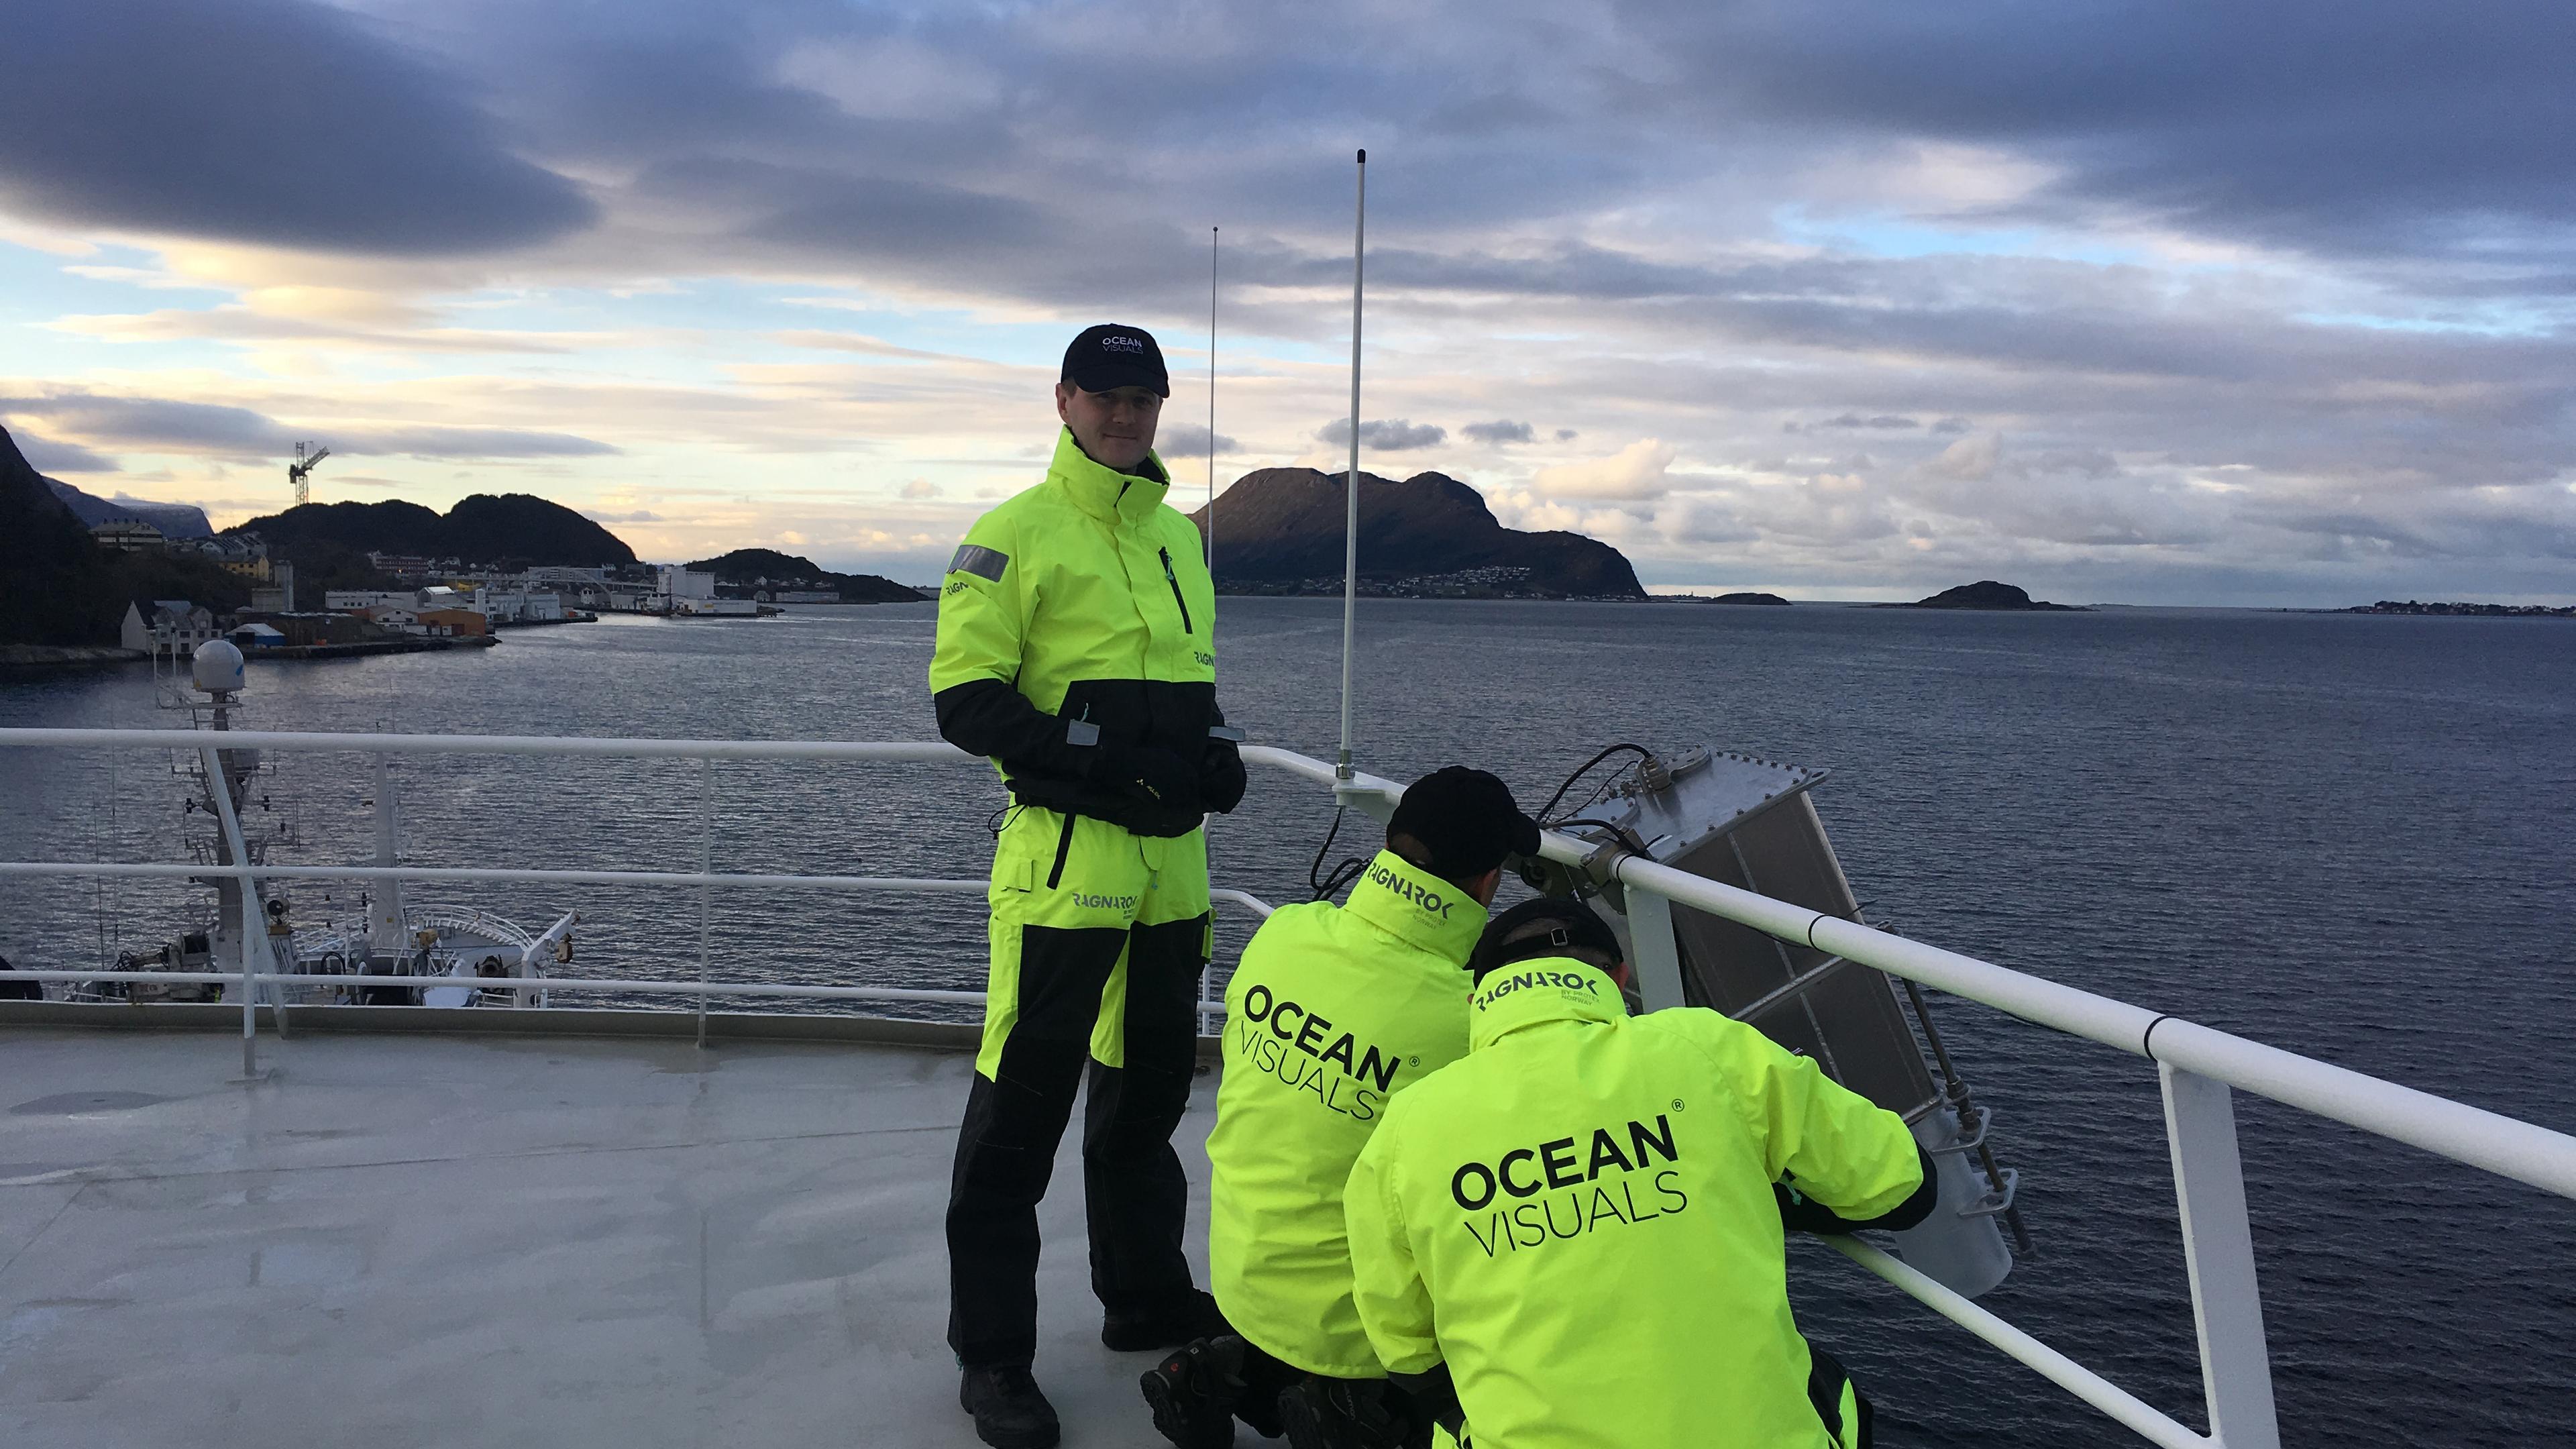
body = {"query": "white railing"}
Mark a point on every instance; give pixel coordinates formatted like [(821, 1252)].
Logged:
[(2198, 1068), (253, 980)]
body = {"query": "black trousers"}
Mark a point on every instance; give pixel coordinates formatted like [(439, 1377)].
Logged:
[(1135, 1194)]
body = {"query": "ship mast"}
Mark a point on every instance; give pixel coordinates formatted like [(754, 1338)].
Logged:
[(1351, 519)]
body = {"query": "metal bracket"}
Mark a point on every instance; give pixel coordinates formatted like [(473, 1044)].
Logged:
[(1972, 1138), (1997, 1202)]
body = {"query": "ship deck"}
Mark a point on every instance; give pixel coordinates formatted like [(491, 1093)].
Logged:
[(398, 1240)]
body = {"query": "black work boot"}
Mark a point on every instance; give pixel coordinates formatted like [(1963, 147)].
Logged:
[(1193, 1391), (1195, 1316), (1009, 1411)]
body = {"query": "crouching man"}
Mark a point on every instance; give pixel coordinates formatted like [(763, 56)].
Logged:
[(1570, 1238), (1334, 1012)]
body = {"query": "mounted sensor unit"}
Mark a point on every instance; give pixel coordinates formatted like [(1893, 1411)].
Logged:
[(1749, 823)]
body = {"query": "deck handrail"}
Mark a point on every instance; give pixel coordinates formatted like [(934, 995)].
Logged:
[(2197, 1066)]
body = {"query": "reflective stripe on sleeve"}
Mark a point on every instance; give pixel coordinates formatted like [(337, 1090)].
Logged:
[(984, 563)]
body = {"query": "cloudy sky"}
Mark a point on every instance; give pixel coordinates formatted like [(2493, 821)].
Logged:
[(2159, 302)]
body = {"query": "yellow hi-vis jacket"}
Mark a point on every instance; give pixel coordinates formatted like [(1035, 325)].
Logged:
[(1333, 1011), (1577, 1218), (1088, 598)]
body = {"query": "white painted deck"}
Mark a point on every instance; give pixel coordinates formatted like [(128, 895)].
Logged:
[(402, 1240)]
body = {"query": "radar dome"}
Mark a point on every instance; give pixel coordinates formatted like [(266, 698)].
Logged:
[(218, 666)]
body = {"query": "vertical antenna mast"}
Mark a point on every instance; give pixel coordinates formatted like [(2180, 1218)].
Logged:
[(1351, 518), (1211, 527)]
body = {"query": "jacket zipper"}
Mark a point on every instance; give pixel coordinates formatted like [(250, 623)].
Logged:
[(1175, 581)]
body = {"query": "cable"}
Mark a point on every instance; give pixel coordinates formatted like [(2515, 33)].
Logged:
[(1326, 886), (1584, 769)]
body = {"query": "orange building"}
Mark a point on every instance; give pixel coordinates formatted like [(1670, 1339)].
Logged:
[(461, 623)]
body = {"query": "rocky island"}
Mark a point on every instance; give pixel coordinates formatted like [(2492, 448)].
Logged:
[(1988, 594), (1762, 599), (1279, 531), (768, 570)]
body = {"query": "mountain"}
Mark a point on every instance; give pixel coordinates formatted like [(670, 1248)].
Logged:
[(507, 529), (57, 586), (746, 567), (1987, 594), (1279, 530), (175, 520)]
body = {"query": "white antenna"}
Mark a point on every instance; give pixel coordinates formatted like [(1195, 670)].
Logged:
[(1211, 527), (1351, 521)]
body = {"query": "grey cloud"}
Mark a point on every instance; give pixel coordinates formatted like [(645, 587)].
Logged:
[(162, 425), (1566, 435), (1393, 435), (1855, 420), (264, 120), (47, 456), (1949, 426), (640, 515), (159, 425), (468, 443), (2302, 122), (1190, 440), (1502, 430)]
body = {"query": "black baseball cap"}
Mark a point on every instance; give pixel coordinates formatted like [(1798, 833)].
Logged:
[(1467, 819), (1548, 926), (1112, 356)]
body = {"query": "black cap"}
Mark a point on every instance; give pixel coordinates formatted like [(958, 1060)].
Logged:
[(1467, 819), (1548, 926), (1111, 356)]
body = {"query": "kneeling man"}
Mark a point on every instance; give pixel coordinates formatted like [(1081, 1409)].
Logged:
[(1574, 1230), (1334, 1011)]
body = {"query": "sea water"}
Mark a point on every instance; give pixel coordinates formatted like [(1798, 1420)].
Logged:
[(2346, 836)]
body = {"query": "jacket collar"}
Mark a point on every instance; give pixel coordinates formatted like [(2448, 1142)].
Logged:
[(1536, 992), (1417, 907), (1104, 492)]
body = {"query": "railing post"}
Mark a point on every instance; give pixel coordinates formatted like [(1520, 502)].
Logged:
[(706, 866), (1650, 940), (254, 931), (2218, 1244)]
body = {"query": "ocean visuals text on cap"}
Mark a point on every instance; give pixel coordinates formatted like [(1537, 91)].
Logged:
[(1112, 356)]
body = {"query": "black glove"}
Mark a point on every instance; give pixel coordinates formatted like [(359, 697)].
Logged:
[(1350, 1414), (1221, 778), (1159, 773), (1433, 1399)]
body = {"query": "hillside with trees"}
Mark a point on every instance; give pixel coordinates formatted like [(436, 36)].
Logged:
[(508, 531), (58, 587)]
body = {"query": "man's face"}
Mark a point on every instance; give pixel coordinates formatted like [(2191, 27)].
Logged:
[(1115, 427)]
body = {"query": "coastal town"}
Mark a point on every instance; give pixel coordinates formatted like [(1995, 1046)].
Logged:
[(434, 603)]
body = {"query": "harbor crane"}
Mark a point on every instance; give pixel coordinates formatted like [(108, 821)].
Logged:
[(299, 471)]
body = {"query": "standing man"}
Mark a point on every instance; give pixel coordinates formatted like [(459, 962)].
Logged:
[(1333, 1010), (1574, 1229), (1075, 649)]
